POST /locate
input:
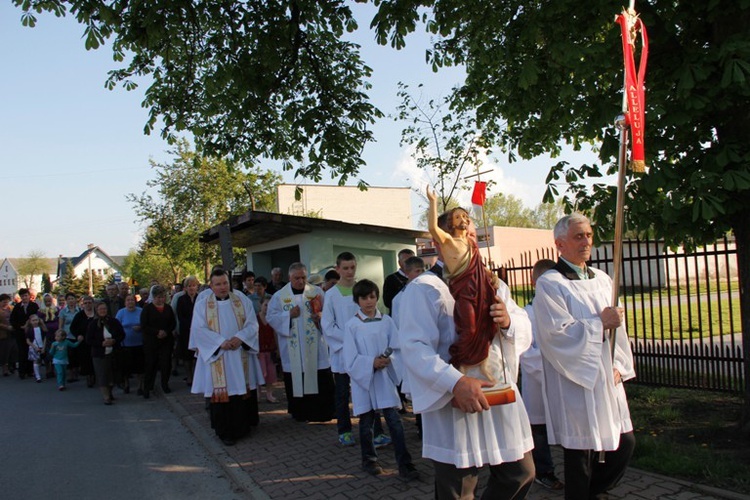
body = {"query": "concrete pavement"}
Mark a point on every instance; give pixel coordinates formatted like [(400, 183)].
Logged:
[(292, 460)]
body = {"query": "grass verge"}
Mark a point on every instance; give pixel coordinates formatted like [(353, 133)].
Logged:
[(690, 434)]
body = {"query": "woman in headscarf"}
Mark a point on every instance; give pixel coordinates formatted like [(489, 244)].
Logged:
[(105, 334), (48, 313), (158, 321)]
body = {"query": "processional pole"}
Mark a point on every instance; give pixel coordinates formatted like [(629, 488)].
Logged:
[(632, 117)]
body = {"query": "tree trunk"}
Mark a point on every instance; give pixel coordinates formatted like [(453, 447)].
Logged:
[(742, 238)]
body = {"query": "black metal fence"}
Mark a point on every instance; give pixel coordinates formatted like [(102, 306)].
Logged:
[(682, 310)]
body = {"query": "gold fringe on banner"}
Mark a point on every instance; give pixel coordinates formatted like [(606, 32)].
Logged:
[(637, 166)]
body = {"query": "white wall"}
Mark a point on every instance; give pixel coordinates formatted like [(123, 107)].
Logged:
[(389, 207)]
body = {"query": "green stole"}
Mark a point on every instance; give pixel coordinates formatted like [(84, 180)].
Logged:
[(303, 341)]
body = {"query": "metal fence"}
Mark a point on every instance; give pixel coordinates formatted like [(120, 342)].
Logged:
[(682, 310)]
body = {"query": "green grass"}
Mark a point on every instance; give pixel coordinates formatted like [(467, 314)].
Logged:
[(690, 434), (708, 319)]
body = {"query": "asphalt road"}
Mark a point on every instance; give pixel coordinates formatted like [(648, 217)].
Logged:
[(69, 445)]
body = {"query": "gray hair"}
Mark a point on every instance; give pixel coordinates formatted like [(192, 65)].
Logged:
[(562, 226), (190, 279), (297, 266)]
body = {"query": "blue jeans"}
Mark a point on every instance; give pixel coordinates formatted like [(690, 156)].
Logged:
[(541, 452), (392, 418), (343, 420)]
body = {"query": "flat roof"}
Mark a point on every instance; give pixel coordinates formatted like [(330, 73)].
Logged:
[(255, 228)]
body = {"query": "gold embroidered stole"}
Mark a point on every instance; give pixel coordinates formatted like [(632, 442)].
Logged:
[(218, 373)]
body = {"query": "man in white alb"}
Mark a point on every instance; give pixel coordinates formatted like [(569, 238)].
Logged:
[(461, 431), (586, 408)]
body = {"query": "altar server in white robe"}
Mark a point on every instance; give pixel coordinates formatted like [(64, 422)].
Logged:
[(224, 332), (461, 432), (586, 408), (531, 388)]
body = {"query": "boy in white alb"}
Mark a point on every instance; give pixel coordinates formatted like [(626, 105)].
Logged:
[(369, 342), (338, 308)]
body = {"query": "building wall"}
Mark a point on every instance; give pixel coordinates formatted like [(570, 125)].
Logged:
[(8, 278), (376, 254), (390, 207), (99, 266), (508, 243)]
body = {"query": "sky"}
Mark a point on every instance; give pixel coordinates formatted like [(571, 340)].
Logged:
[(72, 150)]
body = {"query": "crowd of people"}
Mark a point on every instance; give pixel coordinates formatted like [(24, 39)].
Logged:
[(335, 350)]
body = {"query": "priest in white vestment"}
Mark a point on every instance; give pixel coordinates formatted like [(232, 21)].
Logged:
[(294, 313), (461, 432), (586, 408), (224, 332)]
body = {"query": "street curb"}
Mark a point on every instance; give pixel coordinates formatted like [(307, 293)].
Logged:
[(709, 490), (233, 470)]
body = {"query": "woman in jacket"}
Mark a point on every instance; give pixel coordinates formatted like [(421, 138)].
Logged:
[(158, 321), (104, 335)]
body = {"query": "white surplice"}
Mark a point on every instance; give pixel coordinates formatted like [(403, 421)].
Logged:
[(364, 340), (531, 376), (338, 309), (585, 410), (426, 330), (208, 343)]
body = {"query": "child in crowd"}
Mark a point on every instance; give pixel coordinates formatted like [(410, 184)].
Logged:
[(369, 341), (338, 309), (35, 332), (59, 354), (267, 346)]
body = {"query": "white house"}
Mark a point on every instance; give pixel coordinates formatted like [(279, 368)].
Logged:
[(93, 258), (11, 280)]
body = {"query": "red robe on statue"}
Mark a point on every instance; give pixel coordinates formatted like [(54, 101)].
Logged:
[(474, 294)]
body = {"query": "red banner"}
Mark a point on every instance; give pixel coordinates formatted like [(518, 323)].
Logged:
[(479, 193), (635, 90)]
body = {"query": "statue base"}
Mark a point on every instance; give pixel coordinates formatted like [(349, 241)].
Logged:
[(501, 395), (491, 370)]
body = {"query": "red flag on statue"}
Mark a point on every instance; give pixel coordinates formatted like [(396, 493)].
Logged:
[(478, 196)]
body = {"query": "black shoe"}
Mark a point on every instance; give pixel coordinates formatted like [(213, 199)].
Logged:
[(372, 468), (228, 441), (146, 394), (166, 390), (408, 472), (550, 482)]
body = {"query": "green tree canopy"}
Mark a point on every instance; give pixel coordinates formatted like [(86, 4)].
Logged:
[(508, 210), (540, 74), (193, 193), (247, 79), (34, 264), (447, 144)]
